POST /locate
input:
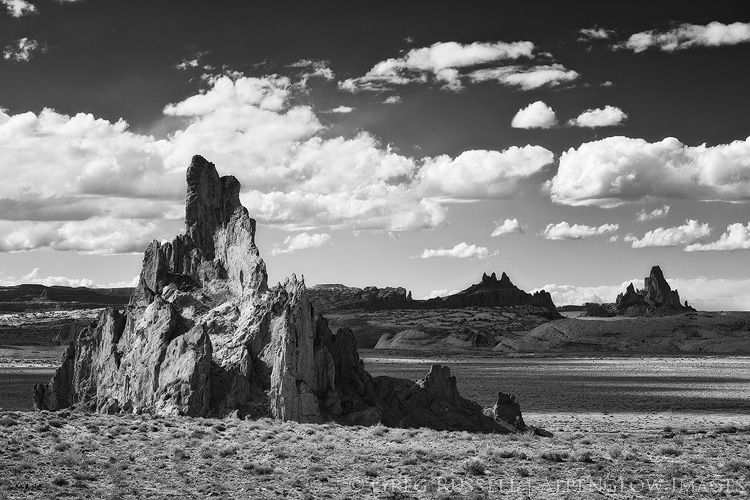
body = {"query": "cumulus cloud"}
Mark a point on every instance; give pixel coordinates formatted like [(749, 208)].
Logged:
[(535, 115), (440, 62), (71, 180), (508, 226), (301, 241), (564, 231), (689, 232), (686, 36), (18, 8), (480, 174), (736, 237), (609, 116), (460, 251), (657, 213), (393, 99), (618, 170), (527, 78), (23, 49), (703, 293), (342, 109)]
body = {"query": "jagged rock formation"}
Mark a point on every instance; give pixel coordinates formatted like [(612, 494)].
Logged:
[(204, 335), (491, 292), (655, 299), (332, 297)]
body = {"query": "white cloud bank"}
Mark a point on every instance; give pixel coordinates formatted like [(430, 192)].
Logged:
[(460, 251), (609, 116), (302, 241), (688, 233), (535, 115), (508, 226), (618, 170), (34, 277), (686, 36), (736, 237), (564, 231), (702, 293), (68, 180)]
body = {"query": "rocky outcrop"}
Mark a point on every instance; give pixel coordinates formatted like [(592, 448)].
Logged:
[(204, 335), (491, 292), (655, 299), (335, 297)]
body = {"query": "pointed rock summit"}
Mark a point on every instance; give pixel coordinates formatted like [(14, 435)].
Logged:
[(655, 299), (204, 335)]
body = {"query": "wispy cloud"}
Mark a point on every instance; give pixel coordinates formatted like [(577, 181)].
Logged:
[(440, 62), (657, 213), (595, 33), (527, 78), (686, 36), (342, 109)]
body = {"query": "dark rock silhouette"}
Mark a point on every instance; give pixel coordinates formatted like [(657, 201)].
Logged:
[(489, 292), (204, 335), (655, 299)]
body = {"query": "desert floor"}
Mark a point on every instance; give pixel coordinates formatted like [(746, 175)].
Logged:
[(624, 427)]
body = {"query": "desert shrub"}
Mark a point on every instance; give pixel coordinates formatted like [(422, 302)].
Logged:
[(179, 454), (737, 465), (668, 451), (84, 476), (511, 453), (474, 466), (229, 451), (523, 472), (554, 455), (372, 471), (55, 423), (379, 430), (59, 481), (582, 456), (421, 451), (219, 428), (259, 469), (8, 421), (615, 451), (62, 446), (206, 453), (410, 461)]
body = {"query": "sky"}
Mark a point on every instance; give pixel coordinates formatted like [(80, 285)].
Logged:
[(414, 144)]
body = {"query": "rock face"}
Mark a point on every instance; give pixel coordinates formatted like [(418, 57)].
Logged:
[(655, 299), (204, 335), (331, 297)]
